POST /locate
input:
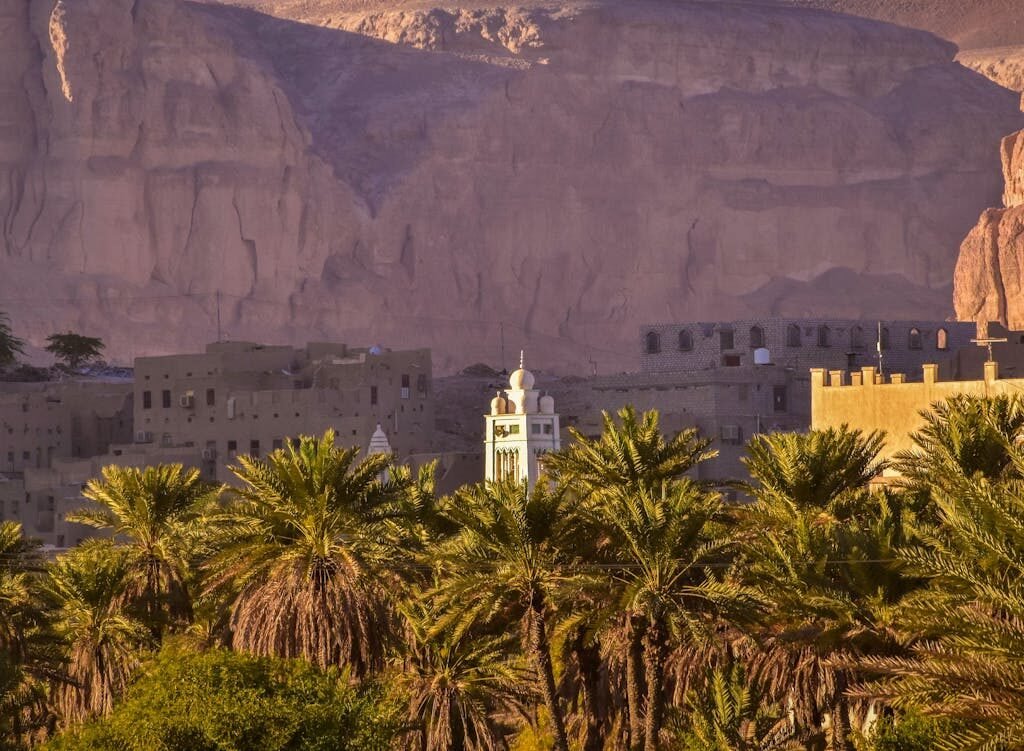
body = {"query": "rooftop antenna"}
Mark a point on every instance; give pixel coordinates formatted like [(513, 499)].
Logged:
[(501, 338), (878, 345), (988, 341), (220, 338)]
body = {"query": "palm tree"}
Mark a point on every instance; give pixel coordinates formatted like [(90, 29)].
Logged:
[(631, 455), (457, 685), (511, 556), (155, 513), (668, 543), (962, 437), (730, 713), (832, 593), (968, 660), (102, 640), (305, 550), (810, 469), (23, 655)]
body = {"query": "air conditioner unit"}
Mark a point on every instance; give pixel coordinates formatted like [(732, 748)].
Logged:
[(187, 400), (143, 436), (209, 455)]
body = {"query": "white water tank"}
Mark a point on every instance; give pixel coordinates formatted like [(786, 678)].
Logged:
[(762, 356)]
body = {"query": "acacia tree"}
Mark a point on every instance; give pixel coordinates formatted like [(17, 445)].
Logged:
[(74, 350), (10, 345)]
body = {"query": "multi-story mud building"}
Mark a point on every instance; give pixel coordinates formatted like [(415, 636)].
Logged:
[(245, 398), (45, 424), (202, 410)]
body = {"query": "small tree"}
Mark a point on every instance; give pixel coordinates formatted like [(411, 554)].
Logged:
[(10, 345), (74, 350)]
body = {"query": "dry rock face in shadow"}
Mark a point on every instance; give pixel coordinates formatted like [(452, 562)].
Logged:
[(425, 177)]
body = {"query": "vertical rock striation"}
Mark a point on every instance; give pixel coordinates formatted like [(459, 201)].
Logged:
[(430, 177)]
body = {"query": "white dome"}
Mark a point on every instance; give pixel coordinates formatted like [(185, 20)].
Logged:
[(521, 380), (547, 405), (498, 405)]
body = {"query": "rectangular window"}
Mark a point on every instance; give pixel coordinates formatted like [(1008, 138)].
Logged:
[(535, 428), (254, 447), (278, 444), (165, 397), (405, 385), (732, 435), (373, 394), (725, 338), (232, 446), (731, 361), (211, 397), (147, 400), (513, 430), (421, 384), (779, 398)]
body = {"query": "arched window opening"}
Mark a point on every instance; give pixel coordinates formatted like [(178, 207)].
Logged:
[(823, 336), (685, 340), (941, 339), (756, 337), (653, 343), (883, 338), (914, 339), (793, 335), (856, 338)]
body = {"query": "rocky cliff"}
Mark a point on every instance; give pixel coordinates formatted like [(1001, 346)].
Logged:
[(990, 271), (552, 176)]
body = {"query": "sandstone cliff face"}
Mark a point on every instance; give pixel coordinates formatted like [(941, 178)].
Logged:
[(990, 271), (427, 177)]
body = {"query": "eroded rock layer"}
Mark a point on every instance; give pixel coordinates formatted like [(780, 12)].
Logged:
[(550, 177)]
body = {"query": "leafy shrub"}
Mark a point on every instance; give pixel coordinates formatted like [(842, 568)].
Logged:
[(223, 701)]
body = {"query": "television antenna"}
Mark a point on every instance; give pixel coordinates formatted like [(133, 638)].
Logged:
[(988, 341)]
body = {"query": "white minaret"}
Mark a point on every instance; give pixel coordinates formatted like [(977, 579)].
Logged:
[(521, 427)]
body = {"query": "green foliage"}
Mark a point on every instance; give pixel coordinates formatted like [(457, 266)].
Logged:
[(74, 350), (631, 454), (223, 701), (909, 732), (305, 549), (811, 469), (729, 713), (155, 515), (10, 345), (963, 437)]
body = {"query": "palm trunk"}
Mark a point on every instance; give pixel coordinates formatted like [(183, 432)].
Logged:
[(542, 659), (635, 682), (654, 668), (588, 660), (840, 716)]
